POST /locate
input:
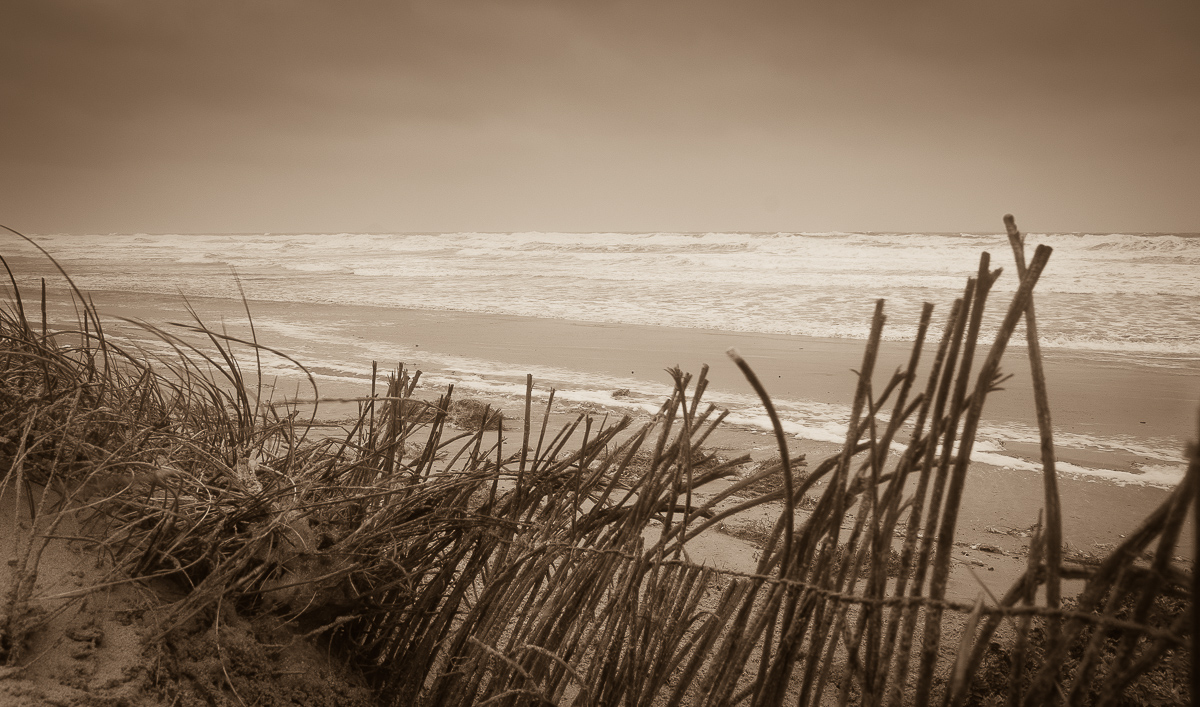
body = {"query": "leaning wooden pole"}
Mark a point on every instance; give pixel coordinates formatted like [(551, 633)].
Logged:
[(985, 380), (1194, 463), (1041, 400)]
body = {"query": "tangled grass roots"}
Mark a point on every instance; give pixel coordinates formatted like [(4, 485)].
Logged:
[(454, 570), (474, 415)]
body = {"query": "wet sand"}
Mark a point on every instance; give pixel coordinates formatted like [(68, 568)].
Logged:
[(1087, 397)]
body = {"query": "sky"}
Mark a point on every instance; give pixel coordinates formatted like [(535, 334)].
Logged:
[(576, 115)]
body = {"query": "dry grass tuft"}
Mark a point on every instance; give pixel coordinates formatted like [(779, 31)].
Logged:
[(473, 415)]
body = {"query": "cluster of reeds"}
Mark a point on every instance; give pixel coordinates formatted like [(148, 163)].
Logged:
[(458, 566)]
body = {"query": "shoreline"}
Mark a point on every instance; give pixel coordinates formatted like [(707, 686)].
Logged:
[(1096, 512), (996, 516), (1154, 402)]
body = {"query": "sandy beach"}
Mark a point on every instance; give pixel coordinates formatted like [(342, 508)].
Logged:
[(1086, 397), (996, 519), (1120, 427)]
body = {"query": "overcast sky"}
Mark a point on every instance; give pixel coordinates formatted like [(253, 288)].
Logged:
[(587, 115)]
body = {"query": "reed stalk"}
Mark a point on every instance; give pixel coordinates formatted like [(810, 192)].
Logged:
[(1041, 399)]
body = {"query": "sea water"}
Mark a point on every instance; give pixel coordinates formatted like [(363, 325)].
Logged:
[(1132, 299)]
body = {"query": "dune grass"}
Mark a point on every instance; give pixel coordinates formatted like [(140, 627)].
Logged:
[(499, 561)]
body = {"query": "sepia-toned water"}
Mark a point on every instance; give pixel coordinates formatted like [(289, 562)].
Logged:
[(1127, 299), (1112, 294)]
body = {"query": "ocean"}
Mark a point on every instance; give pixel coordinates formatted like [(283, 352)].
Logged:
[(1124, 300)]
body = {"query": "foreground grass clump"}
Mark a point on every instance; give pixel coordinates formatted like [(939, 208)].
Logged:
[(456, 566)]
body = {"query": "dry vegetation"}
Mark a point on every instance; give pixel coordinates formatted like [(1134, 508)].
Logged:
[(448, 567)]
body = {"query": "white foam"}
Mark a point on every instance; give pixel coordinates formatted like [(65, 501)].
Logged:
[(1160, 476), (1103, 294), (801, 419), (826, 432), (314, 267), (207, 259)]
